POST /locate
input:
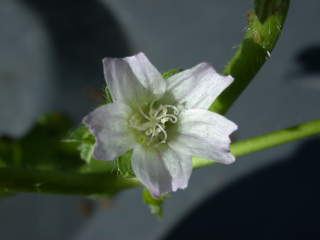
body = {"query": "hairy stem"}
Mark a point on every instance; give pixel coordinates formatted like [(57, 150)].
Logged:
[(62, 182), (265, 25)]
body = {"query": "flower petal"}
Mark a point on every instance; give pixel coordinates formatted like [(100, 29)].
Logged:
[(108, 123), (204, 134), (147, 74), (198, 87), (121, 80), (150, 169), (161, 170), (180, 167)]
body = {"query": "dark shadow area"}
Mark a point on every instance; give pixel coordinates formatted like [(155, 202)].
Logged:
[(307, 65), (308, 60), (278, 202), (81, 33)]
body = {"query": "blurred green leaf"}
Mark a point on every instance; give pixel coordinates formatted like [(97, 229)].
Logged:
[(4, 195), (2, 163), (41, 147), (155, 204)]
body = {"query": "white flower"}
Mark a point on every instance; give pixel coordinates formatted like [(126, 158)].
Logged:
[(165, 122)]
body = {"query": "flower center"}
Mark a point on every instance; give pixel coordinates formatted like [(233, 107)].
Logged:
[(153, 122)]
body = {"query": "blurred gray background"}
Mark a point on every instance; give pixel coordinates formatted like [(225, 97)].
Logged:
[(50, 59)]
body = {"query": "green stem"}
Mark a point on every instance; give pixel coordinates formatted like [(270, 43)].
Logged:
[(266, 141), (57, 182), (265, 26)]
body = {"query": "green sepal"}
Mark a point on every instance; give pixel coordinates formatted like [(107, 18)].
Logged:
[(83, 140), (170, 73), (107, 96), (123, 165), (155, 204)]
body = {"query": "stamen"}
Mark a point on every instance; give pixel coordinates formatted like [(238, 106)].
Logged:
[(153, 130), (158, 111), (164, 133), (168, 117), (153, 124), (174, 108), (143, 114), (149, 131), (141, 127)]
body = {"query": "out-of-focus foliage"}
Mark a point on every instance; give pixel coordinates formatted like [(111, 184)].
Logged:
[(42, 147)]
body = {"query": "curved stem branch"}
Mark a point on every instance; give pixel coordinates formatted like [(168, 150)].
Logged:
[(265, 26)]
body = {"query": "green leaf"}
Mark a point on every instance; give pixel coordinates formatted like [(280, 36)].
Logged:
[(265, 26), (155, 204)]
